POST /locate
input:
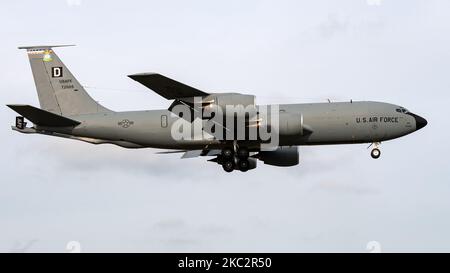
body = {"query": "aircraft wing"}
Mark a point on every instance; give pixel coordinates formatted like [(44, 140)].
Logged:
[(193, 153), (166, 87)]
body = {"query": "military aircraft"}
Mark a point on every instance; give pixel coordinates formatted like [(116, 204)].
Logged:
[(66, 110)]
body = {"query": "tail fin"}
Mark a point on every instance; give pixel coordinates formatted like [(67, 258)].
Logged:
[(58, 90)]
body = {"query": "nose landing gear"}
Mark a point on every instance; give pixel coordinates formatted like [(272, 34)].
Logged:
[(375, 153)]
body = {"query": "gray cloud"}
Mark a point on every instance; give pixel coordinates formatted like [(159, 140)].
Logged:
[(332, 26)]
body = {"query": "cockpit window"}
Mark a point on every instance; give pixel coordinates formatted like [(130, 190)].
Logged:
[(402, 110)]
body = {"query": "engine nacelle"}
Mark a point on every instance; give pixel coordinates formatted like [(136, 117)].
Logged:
[(290, 124), (225, 99), (284, 156), (241, 104)]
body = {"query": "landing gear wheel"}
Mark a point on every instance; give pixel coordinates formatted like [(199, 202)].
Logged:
[(227, 153), (228, 166), (243, 153), (243, 165), (375, 153)]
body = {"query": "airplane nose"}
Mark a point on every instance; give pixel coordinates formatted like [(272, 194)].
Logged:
[(420, 122)]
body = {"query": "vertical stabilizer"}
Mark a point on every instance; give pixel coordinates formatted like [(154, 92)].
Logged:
[(58, 90)]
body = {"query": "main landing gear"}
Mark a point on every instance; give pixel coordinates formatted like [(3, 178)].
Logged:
[(232, 160), (375, 153)]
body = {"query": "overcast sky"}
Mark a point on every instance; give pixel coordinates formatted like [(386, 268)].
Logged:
[(53, 191)]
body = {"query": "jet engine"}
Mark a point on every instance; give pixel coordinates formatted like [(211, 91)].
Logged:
[(225, 99), (290, 124), (240, 102), (284, 156)]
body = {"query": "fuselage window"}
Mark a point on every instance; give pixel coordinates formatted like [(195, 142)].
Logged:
[(164, 121)]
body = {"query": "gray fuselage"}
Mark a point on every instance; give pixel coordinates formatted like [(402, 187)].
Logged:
[(331, 123)]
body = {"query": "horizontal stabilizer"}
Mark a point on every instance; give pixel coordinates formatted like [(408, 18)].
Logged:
[(168, 88), (41, 117), (41, 47)]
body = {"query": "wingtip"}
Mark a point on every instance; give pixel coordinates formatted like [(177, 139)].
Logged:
[(15, 105), (11, 105), (137, 75)]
